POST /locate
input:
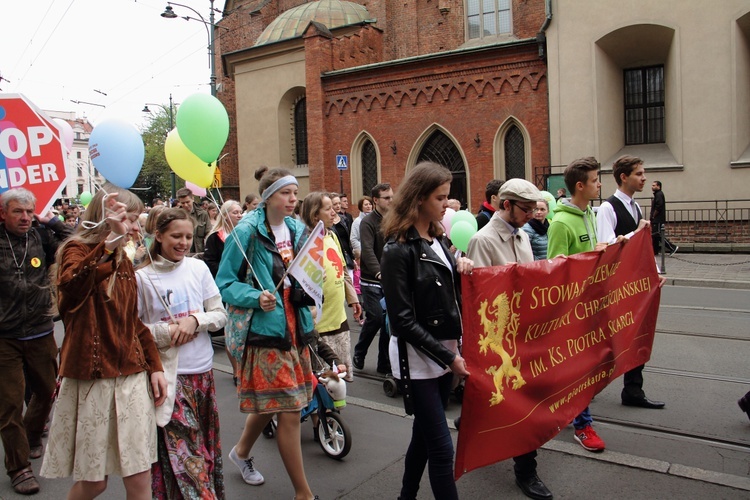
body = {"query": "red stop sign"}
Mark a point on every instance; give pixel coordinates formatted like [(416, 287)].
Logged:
[(32, 154)]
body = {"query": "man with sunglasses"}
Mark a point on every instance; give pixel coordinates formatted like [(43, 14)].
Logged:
[(501, 241), (372, 243)]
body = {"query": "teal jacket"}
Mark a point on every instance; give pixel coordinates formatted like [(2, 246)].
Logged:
[(571, 231), (266, 328)]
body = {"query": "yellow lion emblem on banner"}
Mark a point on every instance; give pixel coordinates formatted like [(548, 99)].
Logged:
[(495, 338)]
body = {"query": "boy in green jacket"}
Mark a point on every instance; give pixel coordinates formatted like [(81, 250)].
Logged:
[(572, 231)]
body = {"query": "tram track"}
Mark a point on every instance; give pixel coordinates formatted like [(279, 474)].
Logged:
[(694, 437), (702, 376), (714, 336), (705, 308)]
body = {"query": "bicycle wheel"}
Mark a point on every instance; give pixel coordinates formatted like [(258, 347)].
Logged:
[(339, 440)]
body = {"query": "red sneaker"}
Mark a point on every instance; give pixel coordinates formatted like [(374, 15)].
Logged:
[(589, 439)]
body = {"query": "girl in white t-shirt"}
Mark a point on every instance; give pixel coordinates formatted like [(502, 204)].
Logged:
[(180, 303)]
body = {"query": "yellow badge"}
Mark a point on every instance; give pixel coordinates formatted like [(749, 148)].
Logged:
[(35, 262)]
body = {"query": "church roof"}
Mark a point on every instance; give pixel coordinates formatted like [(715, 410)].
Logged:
[(331, 13)]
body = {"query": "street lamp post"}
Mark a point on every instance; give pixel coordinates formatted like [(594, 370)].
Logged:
[(210, 27), (172, 179)]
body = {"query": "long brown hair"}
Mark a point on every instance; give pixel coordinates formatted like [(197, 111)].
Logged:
[(418, 184), (153, 214), (311, 206), (92, 216)]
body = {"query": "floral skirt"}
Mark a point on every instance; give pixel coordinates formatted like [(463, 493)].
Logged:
[(273, 380), (190, 464), (102, 427)]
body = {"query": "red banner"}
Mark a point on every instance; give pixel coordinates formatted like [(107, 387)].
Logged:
[(541, 339)]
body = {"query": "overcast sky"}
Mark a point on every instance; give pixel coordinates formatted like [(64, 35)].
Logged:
[(55, 51)]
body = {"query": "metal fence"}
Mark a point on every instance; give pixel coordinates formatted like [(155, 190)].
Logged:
[(706, 221), (698, 221)]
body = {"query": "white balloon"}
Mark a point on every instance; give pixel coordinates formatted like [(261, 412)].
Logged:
[(447, 221), (67, 133)]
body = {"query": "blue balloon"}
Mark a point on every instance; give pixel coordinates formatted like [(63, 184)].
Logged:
[(117, 150)]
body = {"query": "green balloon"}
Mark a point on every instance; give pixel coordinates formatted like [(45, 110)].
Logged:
[(461, 233), (85, 198), (203, 126), (466, 216)]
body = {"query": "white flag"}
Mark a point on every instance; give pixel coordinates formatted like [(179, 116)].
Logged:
[(307, 267)]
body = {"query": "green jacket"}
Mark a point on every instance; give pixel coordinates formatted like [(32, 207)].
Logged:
[(571, 231), (266, 262)]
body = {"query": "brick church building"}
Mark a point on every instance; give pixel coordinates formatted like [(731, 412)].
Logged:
[(388, 83)]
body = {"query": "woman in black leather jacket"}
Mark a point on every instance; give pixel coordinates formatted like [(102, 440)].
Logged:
[(422, 294)]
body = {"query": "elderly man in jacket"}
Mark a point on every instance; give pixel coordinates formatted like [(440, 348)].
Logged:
[(28, 352), (501, 241)]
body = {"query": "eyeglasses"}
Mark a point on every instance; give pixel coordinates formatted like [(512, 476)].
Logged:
[(527, 211)]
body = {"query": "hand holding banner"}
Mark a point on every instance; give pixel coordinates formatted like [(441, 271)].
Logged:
[(541, 339)]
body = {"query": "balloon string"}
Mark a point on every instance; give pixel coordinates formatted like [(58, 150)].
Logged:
[(92, 225), (234, 236), (151, 260)]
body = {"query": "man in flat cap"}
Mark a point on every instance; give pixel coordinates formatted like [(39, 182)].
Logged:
[(502, 242)]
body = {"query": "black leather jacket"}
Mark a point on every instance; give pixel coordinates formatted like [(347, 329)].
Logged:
[(422, 295)]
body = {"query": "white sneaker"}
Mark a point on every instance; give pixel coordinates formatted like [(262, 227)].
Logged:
[(674, 251), (249, 474)]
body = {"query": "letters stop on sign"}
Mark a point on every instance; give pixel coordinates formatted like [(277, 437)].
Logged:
[(32, 154)]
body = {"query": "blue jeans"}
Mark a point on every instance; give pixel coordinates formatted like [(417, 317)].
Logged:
[(374, 321), (431, 442), (583, 419)]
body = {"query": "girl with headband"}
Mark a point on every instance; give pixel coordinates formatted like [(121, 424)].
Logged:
[(275, 377)]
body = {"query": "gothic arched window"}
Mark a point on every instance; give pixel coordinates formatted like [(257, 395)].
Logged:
[(439, 148), (369, 167), (515, 154)]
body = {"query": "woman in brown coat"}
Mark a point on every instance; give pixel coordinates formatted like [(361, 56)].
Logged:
[(104, 422)]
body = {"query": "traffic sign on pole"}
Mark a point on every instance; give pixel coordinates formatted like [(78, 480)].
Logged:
[(341, 162), (32, 153)]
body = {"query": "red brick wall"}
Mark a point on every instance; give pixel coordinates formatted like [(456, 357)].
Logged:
[(467, 94), (363, 47), (528, 17), (404, 28)]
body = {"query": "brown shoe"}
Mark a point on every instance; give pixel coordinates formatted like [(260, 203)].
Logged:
[(24, 482), (36, 451)]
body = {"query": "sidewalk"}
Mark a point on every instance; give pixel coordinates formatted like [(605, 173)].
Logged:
[(708, 270)]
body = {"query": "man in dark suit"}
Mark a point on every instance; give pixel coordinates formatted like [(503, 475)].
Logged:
[(658, 218)]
